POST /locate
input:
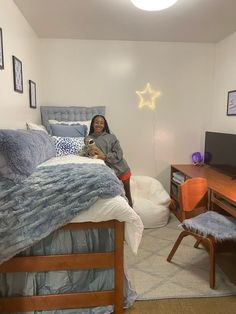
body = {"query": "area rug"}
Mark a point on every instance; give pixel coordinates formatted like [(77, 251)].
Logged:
[(185, 277)]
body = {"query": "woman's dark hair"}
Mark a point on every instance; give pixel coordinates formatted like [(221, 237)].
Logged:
[(106, 127)]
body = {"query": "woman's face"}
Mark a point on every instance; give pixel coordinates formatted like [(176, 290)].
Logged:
[(98, 125)]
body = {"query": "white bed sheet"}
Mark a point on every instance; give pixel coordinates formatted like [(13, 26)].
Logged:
[(106, 209)]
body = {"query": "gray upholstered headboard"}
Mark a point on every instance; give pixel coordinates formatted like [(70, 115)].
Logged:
[(73, 113)]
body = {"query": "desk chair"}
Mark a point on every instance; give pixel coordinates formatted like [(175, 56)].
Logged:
[(205, 226)]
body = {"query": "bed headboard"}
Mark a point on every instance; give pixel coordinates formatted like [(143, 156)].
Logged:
[(72, 113)]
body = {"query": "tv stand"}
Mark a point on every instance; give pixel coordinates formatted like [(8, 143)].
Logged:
[(222, 188)]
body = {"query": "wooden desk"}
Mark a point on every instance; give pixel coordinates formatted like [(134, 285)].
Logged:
[(222, 189)]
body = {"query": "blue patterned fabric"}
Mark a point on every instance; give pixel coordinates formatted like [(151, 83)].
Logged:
[(48, 199), (68, 145), (21, 151)]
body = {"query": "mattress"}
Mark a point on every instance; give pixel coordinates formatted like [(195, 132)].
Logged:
[(106, 209)]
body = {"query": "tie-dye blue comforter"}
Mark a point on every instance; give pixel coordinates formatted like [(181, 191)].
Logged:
[(48, 199)]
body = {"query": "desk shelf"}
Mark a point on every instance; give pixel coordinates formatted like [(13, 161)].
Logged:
[(175, 207), (222, 203)]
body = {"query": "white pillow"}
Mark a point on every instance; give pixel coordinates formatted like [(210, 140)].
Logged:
[(87, 123), (34, 126)]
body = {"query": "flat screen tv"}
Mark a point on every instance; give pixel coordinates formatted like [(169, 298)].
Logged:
[(220, 152)]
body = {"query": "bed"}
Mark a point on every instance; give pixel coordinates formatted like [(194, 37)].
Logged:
[(67, 255)]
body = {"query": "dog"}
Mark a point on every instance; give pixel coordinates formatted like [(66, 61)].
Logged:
[(89, 144)]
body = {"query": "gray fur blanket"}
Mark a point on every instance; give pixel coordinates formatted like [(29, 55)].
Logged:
[(48, 199), (212, 223)]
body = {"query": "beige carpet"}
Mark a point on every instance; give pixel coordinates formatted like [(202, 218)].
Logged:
[(185, 277)]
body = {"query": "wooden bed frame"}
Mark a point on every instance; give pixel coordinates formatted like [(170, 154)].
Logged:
[(71, 262)]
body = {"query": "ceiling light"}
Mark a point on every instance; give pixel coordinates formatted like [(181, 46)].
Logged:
[(153, 5)]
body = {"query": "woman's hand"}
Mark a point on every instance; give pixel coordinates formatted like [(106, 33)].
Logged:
[(97, 152)]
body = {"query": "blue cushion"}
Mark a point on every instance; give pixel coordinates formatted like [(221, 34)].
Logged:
[(68, 145), (75, 130), (21, 151)]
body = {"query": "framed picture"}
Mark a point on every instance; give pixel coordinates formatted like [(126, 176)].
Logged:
[(1, 51), (32, 94), (17, 75), (231, 103)]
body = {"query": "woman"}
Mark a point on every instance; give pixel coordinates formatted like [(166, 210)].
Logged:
[(109, 150)]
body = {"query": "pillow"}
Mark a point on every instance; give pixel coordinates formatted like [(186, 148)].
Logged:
[(33, 126), (76, 130), (68, 145), (21, 151), (87, 123)]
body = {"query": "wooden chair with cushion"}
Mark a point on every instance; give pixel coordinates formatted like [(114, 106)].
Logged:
[(206, 226)]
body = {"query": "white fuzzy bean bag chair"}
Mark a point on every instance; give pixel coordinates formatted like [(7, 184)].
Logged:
[(150, 201)]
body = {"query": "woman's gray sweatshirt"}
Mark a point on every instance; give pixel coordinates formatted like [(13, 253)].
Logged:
[(110, 146)]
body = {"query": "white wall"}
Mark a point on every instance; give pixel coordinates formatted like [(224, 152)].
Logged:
[(18, 40), (224, 81), (109, 72), (74, 72)]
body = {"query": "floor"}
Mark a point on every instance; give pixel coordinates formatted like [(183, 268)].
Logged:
[(221, 305)]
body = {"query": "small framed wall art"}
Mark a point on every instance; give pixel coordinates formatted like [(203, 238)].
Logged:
[(1, 51), (32, 94), (17, 75), (231, 103)]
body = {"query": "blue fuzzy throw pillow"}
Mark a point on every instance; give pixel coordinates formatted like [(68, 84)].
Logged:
[(22, 151)]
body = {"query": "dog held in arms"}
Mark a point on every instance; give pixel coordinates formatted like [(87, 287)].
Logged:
[(89, 145)]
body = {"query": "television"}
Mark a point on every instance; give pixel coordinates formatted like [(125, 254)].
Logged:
[(220, 152)]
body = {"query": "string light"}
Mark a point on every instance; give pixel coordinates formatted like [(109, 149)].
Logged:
[(148, 97)]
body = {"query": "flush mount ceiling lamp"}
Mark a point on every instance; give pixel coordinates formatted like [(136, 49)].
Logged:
[(153, 5)]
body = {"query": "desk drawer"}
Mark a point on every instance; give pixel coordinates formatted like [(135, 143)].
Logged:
[(223, 203)]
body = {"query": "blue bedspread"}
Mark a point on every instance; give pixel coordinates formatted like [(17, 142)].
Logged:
[(48, 199)]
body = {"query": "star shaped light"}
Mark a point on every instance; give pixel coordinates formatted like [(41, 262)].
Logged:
[(148, 97)]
